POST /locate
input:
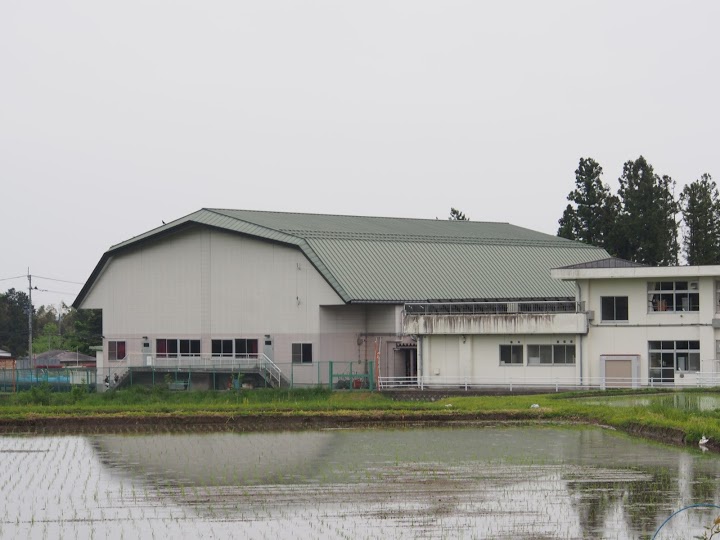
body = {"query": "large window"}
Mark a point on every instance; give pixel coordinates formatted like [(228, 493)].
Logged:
[(172, 348), (246, 348), (302, 353), (614, 308), (562, 354), (116, 350), (666, 357), (222, 347), (673, 296), (511, 355), (239, 348)]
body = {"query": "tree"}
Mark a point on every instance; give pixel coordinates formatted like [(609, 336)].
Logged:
[(646, 229), (700, 206), (86, 329), (48, 340), (593, 212), (457, 215), (14, 306)]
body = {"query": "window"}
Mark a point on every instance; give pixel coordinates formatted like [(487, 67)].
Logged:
[(666, 357), (246, 348), (614, 308), (302, 353), (222, 347), (545, 355), (189, 347), (673, 296), (563, 354), (171, 348), (539, 354), (511, 355), (116, 350)]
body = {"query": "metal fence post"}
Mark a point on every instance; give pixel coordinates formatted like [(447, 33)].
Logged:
[(330, 374)]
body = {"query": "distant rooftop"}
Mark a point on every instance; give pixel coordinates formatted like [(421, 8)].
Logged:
[(610, 262)]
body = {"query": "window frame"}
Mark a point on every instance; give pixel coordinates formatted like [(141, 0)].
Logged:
[(177, 348), (550, 351), (304, 350), (664, 350), (512, 347), (613, 317), (222, 348), (247, 344), (666, 296), (114, 347)]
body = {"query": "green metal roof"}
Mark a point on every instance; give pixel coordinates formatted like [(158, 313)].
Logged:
[(380, 259)]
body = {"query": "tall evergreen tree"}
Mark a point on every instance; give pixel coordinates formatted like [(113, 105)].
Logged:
[(646, 229), (457, 215), (14, 307), (593, 212), (700, 206)]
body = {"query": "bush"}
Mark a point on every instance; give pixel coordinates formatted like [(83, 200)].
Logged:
[(39, 394)]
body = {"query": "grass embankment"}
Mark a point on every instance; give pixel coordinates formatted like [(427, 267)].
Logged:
[(655, 420)]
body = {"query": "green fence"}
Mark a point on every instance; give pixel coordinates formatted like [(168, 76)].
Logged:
[(342, 377), (180, 378), (59, 379), (337, 375)]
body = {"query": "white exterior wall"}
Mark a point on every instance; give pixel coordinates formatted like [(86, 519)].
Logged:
[(476, 358), (632, 337), (208, 284)]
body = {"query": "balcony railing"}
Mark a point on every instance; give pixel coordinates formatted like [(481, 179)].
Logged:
[(256, 362), (494, 308), (704, 380)]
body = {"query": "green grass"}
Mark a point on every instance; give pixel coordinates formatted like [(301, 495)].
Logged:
[(143, 401)]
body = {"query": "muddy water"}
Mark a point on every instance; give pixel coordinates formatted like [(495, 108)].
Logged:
[(514, 482), (683, 401)]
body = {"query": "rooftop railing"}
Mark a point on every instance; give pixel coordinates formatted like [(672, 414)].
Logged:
[(494, 308)]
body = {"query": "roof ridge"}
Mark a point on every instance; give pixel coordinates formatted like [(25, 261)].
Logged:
[(396, 218), (219, 211)]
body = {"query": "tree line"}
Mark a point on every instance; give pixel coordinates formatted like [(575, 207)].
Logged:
[(65, 328), (644, 220)]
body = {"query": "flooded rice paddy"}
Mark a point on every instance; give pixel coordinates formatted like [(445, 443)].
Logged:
[(486, 482), (677, 400)]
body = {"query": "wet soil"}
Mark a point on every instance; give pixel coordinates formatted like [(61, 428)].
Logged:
[(280, 422)]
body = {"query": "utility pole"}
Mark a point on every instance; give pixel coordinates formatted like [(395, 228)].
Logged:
[(30, 362)]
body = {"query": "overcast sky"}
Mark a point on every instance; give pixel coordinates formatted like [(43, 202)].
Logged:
[(117, 115)]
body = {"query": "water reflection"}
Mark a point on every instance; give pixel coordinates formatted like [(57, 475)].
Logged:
[(432, 483), (679, 400)]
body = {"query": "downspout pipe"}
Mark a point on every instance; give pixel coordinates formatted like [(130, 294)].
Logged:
[(578, 296)]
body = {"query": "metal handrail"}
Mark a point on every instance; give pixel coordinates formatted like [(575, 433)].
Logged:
[(257, 361), (704, 379), (493, 308)]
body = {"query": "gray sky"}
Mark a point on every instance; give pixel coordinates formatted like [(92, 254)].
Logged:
[(117, 115)]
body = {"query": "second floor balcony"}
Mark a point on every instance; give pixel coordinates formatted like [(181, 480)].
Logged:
[(521, 317)]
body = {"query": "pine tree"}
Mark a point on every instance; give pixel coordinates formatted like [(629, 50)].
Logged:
[(646, 230), (700, 205), (591, 217), (457, 215)]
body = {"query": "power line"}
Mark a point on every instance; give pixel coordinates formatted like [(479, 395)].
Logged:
[(61, 280), (16, 277), (56, 292)]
